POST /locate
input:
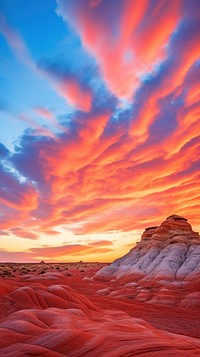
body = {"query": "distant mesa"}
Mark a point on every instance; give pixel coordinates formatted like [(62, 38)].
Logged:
[(164, 266), (42, 262)]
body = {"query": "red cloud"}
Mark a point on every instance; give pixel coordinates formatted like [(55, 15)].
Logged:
[(23, 233), (101, 243)]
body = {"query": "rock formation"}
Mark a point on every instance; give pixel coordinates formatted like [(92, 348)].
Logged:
[(57, 315), (58, 322), (164, 267)]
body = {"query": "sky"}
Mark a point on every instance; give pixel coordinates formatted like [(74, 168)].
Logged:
[(99, 124)]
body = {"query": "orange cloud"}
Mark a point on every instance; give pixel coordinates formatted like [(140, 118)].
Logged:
[(77, 152), (12, 218), (137, 48), (89, 194), (23, 233), (25, 201), (188, 57), (74, 94), (188, 129), (57, 253), (66, 250), (149, 43), (193, 93), (120, 183), (114, 169)]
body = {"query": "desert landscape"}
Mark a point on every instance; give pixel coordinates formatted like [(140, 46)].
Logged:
[(127, 308), (99, 178)]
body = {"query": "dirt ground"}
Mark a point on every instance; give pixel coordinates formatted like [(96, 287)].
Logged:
[(165, 317)]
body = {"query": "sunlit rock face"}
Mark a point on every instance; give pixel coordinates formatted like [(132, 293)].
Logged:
[(165, 264)]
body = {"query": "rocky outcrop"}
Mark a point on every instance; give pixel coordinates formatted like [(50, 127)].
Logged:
[(164, 265)]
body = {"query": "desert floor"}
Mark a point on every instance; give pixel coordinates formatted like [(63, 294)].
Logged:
[(69, 287)]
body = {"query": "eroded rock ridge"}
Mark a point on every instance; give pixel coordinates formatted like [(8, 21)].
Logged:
[(164, 267)]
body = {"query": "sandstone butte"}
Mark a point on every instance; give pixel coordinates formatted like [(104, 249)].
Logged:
[(125, 309), (164, 267)]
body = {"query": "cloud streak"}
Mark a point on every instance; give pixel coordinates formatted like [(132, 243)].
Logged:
[(55, 252)]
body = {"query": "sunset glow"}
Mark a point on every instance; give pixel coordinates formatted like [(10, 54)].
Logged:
[(99, 124)]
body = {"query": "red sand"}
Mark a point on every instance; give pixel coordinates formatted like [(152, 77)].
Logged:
[(49, 310)]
